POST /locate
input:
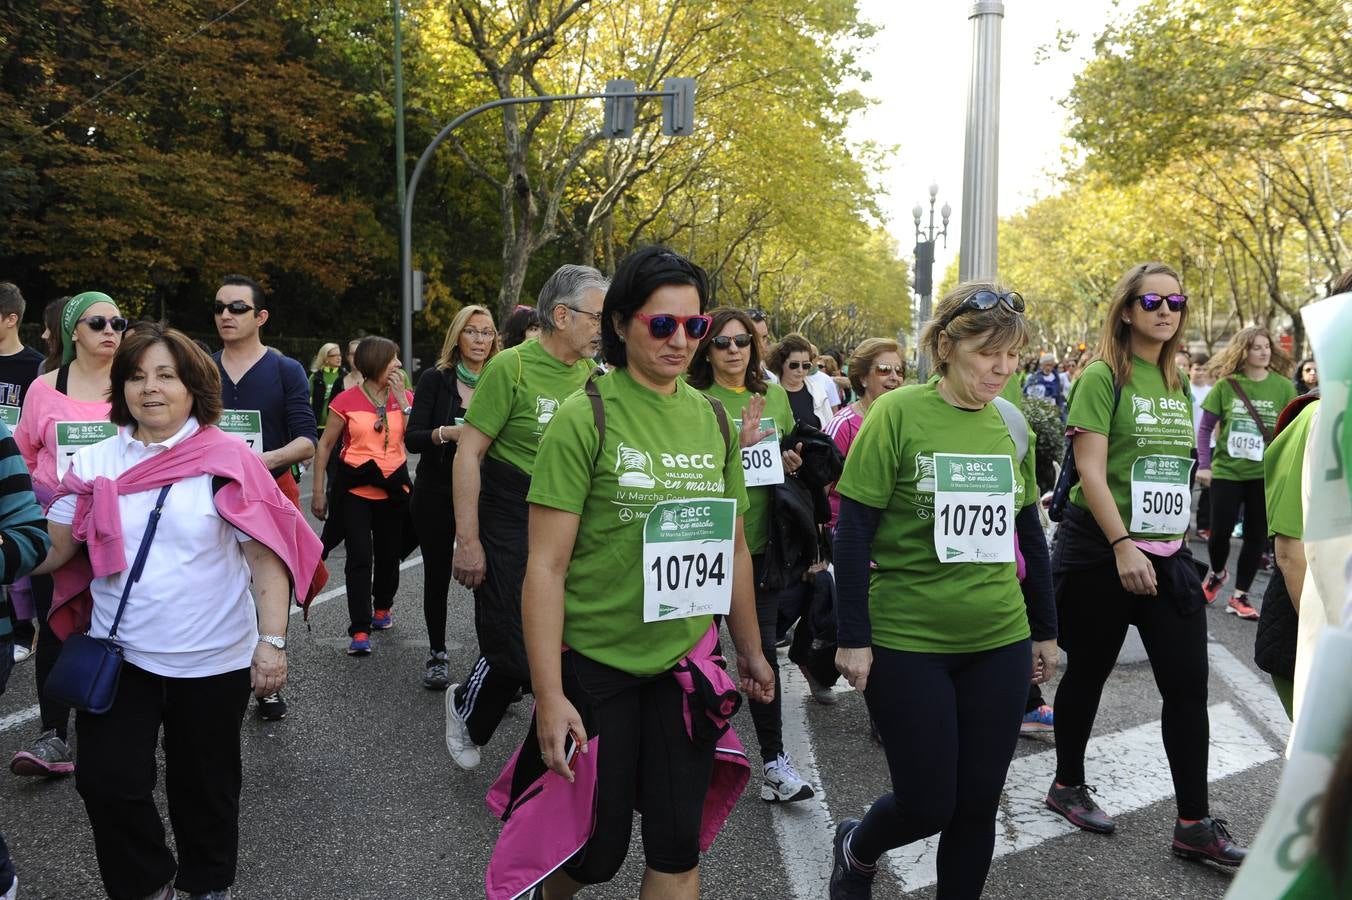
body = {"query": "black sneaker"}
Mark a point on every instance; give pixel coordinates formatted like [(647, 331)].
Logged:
[(1207, 839), (437, 672), (1074, 802), (272, 708), (849, 882)]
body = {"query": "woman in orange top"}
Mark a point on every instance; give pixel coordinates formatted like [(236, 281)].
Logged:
[(370, 487)]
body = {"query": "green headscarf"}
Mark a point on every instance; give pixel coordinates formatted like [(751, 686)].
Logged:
[(75, 308)]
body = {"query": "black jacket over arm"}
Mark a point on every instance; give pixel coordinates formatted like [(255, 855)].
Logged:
[(436, 402)]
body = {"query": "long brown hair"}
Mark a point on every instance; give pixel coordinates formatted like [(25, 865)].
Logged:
[(1114, 346), (1231, 359), (701, 369)]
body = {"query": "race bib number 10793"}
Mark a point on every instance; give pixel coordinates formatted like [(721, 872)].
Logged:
[(973, 508)]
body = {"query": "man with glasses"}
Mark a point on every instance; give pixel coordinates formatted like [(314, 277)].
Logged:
[(269, 396), (762, 342), (518, 393)]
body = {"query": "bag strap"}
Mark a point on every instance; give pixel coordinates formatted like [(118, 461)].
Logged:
[(599, 415), (63, 380), (1016, 423), (1253, 413), (135, 574)]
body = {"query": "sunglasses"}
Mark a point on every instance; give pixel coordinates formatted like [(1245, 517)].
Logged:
[(797, 365), (663, 326), (982, 301), (724, 341), (755, 315), (885, 369), (236, 307), (1151, 302), (98, 323)]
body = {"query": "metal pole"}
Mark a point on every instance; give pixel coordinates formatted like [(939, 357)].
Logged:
[(978, 254), (405, 250), (406, 219)]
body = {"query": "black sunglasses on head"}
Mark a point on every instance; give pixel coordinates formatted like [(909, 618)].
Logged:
[(982, 301), (724, 341), (755, 315), (98, 323), (236, 307)]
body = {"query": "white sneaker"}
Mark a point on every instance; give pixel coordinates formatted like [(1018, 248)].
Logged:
[(13, 891), (20, 654), (820, 692), (462, 748), (782, 783)]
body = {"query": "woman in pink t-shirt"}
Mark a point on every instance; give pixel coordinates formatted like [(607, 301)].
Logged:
[(63, 410), (875, 369)]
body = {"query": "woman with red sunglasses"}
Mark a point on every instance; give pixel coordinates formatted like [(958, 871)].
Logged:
[(636, 543)]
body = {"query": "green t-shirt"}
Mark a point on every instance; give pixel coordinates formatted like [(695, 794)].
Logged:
[(916, 603), (1284, 475), (519, 391), (657, 447), (1239, 445), (777, 407), (1013, 391), (1151, 422)]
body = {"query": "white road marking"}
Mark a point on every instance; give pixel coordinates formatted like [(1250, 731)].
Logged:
[(24, 716), (804, 829), (1253, 689), (1024, 822)]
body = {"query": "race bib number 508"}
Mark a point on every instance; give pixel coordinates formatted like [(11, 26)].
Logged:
[(687, 558)]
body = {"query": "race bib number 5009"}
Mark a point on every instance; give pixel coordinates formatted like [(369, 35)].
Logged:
[(687, 558), (1161, 496), (973, 508)]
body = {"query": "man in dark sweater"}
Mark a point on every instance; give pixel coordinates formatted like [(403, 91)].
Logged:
[(266, 396)]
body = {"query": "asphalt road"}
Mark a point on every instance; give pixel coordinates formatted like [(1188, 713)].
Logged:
[(354, 796)]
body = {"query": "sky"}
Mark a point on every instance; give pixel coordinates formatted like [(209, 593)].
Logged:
[(919, 64)]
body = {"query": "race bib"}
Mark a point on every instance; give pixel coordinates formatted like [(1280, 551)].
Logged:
[(1161, 498), (687, 558), (973, 508), (762, 463), (9, 415), (1245, 441), (71, 436), (246, 424)]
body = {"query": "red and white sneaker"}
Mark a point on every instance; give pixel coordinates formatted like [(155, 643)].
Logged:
[(1212, 586), (1239, 605)]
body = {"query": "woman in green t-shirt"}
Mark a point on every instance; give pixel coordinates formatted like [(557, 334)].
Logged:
[(933, 492), (1120, 558), (1244, 403), (636, 476), (727, 367)]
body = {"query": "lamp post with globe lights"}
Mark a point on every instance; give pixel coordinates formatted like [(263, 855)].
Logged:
[(924, 266)]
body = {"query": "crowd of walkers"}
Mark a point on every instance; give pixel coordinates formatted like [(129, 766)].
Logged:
[(648, 498)]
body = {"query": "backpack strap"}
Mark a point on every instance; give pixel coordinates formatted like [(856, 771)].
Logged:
[(599, 416), (1016, 423)]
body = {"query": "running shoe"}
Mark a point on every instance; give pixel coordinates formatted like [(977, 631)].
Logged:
[(1074, 802), (1204, 534), (211, 895), (820, 692), (849, 881), (382, 620), (49, 757), (1207, 839), (462, 748), (1212, 586), (1039, 721), (437, 672), (1239, 530), (21, 652), (12, 892), (272, 708), (361, 644), (165, 893), (1239, 605), (782, 783)]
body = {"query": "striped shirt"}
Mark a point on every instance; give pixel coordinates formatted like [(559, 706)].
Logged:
[(22, 527)]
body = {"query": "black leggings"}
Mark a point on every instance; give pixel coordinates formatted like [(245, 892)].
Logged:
[(1094, 611), (767, 717), (949, 723), (375, 529), (1226, 498), (434, 520), (55, 716)]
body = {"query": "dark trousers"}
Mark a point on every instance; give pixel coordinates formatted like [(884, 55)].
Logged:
[(1094, 611), (55, 716), (434, 521), (949, 723), (375, 530), (483, 697), (1204, 508), (1226, 499), (116, 772), (767, 717)]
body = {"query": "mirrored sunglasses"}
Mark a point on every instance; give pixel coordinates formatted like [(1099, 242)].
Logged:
[(663, 326), (1151, 302), (724, 341)]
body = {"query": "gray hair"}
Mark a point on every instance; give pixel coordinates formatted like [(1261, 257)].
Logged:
[(567, 285)]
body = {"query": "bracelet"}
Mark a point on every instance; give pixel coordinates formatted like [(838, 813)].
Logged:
[(1125, 537)]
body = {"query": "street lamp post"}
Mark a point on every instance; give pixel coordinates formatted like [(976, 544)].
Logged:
[(924, 267), (977, 253)]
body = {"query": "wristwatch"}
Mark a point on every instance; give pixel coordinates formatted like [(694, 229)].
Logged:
[(275, 640)]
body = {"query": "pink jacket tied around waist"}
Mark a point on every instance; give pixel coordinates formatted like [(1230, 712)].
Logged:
[(250, 501), (553, 819)]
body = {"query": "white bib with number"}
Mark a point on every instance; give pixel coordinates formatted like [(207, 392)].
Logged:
[(1245, 441), (973, 508), (687, 558), (762, 463), (246, 424), (71, 436), (1161, 496), (9, 415)]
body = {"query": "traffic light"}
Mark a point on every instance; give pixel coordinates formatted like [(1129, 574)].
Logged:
[(924, 268), (619, 111), (678, 111)]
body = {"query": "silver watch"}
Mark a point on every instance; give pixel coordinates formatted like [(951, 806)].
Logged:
[(275, 640)]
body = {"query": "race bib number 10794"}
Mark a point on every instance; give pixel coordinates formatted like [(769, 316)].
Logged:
[(687, 558)]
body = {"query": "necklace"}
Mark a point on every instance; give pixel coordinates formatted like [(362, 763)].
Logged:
[(382, 411), (468, 378)]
